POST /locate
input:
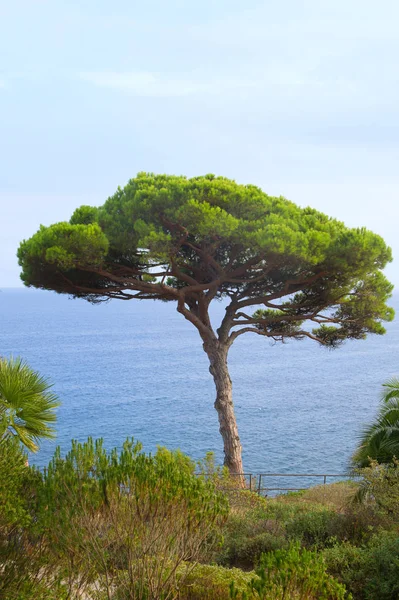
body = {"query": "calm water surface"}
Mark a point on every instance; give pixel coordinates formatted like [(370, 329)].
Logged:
[(138, 369)]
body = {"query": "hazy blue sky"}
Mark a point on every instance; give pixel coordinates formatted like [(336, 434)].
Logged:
[(299, 97)]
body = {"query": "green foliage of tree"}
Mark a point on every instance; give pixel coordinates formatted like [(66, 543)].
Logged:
[(380, 440), (192, 241), (27, 404)]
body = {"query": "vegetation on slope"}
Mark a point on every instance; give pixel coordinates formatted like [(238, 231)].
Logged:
[(124, 524)]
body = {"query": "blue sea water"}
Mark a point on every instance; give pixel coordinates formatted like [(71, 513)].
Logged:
[(138, 369)]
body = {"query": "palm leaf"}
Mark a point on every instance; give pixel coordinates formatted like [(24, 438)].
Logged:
[(27, 403), (391, 389), (380, 440)]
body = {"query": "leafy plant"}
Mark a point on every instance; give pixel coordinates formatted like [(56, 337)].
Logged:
[(126, 520), (211, 582), (318, 528), (379, 486), (13, 472), (370, 572), (20, 550), (293, 574), (247, 536), (380, 440), (27, 404)]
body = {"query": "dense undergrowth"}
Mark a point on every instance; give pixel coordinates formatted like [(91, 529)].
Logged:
[(125, 525)]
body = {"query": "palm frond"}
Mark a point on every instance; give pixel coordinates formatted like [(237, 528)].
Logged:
[(27, 403), (380, 440), (391, 389)]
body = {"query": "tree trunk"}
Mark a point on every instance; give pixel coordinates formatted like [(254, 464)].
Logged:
[(217, 354)]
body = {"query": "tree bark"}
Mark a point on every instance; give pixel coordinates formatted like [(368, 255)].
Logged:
[(217, 354)]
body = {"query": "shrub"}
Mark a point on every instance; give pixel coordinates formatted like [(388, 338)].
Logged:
[(246, 535), (315, 528), (211, 582), (38, 590), (320, 528), (245, 552), (345, 562), (284, 508), (241, 501), (334, 496), (271, 525), (370, 572), (293, 574), (380, 571), (380, 486), (13, 473), (19, 555), (127, 520)]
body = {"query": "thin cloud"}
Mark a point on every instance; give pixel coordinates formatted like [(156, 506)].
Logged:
[(150, 84), (272, 79)]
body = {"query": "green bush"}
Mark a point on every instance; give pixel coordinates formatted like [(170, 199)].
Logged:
[(13, 476), (37, 590), (314, 529), (247, 534), (20, 556), (285, 508), (319, 529), (246, 551), (275, 523), (380, 570), (211, 582), (379, 487), (293, 574), (126, 520), (345, 562), (370, 572)]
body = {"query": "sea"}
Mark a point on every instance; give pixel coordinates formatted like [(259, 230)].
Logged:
[(137, 369)]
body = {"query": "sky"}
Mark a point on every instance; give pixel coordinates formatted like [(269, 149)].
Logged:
[(299, 97)]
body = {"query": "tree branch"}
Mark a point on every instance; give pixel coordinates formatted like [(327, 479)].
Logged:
[(257, 300), (204, 329), (206, 257), (276, 336)]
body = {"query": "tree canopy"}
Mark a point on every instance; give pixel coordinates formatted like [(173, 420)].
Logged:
[(173, 238)]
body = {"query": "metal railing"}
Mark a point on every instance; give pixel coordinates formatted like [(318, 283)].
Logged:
[(254, 482)]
